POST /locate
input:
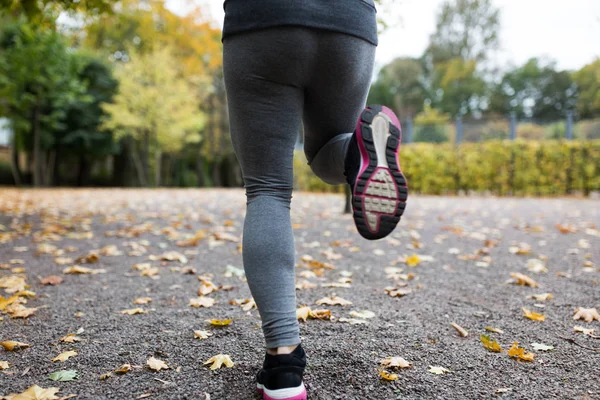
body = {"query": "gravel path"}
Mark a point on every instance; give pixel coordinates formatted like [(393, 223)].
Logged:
[(463, 256)]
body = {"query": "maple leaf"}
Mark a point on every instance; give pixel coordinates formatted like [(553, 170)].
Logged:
[(13, 283), (397, 292), (202, 301), (540, 297), (489, 344), (219, 322), (519, 353), (303, 313), (62, 357), (523, 280), (438, 370), (156, 365), (395, 362), (133, 311), (4, 365), (36, 392), (14, 299), (333, 301), (18, 311), (11, 345), (123, 369), (218, 360), (51, 280), (587, 314), (532, 315), (202, 334), (388, 376), (142, 300), (78, 269)]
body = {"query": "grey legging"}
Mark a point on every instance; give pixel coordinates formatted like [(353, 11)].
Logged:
[(278, 80)]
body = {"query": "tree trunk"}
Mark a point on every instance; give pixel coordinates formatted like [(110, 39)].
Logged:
[(14, 161), (201, 182), (82, 172), (50, 168), (157, 167), (37, 154), (146, 157), (216, 173), (139, 168)]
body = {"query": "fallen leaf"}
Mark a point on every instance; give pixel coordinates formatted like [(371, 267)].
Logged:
[(77, 269), (461, 331), (223, 236), (587, 314), (438, 370), (520, 249), (63, 376), (170, 256), (491, 329), (566, 228), (71, 338), (397, 292), (156, 365), (202, 334), (388, 376), (206, 287), (491, 345), (230, 271), (320, 314), (219, 322), (142, 300), (540, 297), (219, 360), (150, 272), (536, 266), (516, 352), (123, 369), (63, 260), (51, 280), (303, 313), (4, 365), (532, 315), (584, 331), (36, 392), (333, 301), (62, 357), (13, 283), (18, 311), (541, 347), (412, 261), (134, 311), (202, 301), (11, 345), (362, 314), (91, 258), (105, 376), (523, 280), (395, 362), (14, 299), (110, 250), (353, 321)]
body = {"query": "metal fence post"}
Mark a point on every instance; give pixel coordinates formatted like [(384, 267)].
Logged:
[(459, 130), (513, 125), (570, 125), (409, 130)]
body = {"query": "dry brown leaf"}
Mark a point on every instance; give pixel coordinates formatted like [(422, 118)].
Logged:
[(218, 360), (110, 251), (142, 300), (170, 256), (520, 249), (388, 376), (19, 311), (395, 362), (71, 338), (202, 301), (150, 272), (533, 315), (223, 236), (521, 279), (320, 314), (491, 329), (304, 284), (142, 266), (156, 365), (78, 269), (105, 376), (134, 311), (519, 353), (438, 370), (491, 345), (123, 369), (62, 357), (333, 301), (13, 283), (566, 228), (4, 365), (202, 334), (11, 345), (206, 287), (63, 260), (36, 392), (585, 331), (51, 280), (587, 314), (14, 299), (91, 258), (461, 331), (541, 297), (397, 292), (303, 313)]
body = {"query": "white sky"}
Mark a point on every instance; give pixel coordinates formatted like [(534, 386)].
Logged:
[(566, 31)]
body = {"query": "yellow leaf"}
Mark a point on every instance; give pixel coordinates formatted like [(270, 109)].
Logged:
[(489, 344), (320, 314), (491, 329), (219, 360), (123, 369), (202, 334), (303, 313), (524, 280), (438, 370), (105, 376), (153, 271), (397, 292), (18, 311), (13, 283), (62, 357), (134, 311), (11, 345), (532, 315), (396, 362), (156, 365), (14, 299), (142, 300), (219, 322), (38, 393), (4, 365), (71, 338), (332, 301), (516, 352), (540, 297), (206, 287), (202, 301), (388, 376), (77, 269), (63, 260), (413, 260), (587, 314)]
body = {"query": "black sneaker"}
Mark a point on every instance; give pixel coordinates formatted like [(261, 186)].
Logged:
[(280, 378), (379, 189)]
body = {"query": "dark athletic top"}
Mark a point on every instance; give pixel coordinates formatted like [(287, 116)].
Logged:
[(352, 17)]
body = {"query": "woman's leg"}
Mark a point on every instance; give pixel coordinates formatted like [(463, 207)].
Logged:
[(264, 77)]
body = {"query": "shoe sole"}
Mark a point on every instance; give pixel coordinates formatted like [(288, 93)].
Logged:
[(380, 189), (297, 393)]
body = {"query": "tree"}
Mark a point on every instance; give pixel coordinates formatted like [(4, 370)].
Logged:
[(465, 29), (459, 87), (588, 84), (431, 125), (535, 90), (47, 11), (400, 85), (39, 80), (155, 106)]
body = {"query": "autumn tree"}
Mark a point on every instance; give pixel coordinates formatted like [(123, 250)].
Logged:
[(588, 84), (155, 106)]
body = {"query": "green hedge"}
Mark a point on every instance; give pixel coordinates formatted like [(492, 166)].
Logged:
[(520, 168)]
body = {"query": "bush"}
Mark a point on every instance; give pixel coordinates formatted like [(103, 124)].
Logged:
[(430, 134)]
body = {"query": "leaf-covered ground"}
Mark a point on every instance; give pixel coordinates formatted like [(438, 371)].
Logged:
[(143, 282)]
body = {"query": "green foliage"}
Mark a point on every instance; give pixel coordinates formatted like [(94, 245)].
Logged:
[(460, 85), (588, 83), (46, 11)]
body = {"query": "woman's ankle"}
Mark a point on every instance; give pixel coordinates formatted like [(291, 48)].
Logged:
[(282, 350)]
